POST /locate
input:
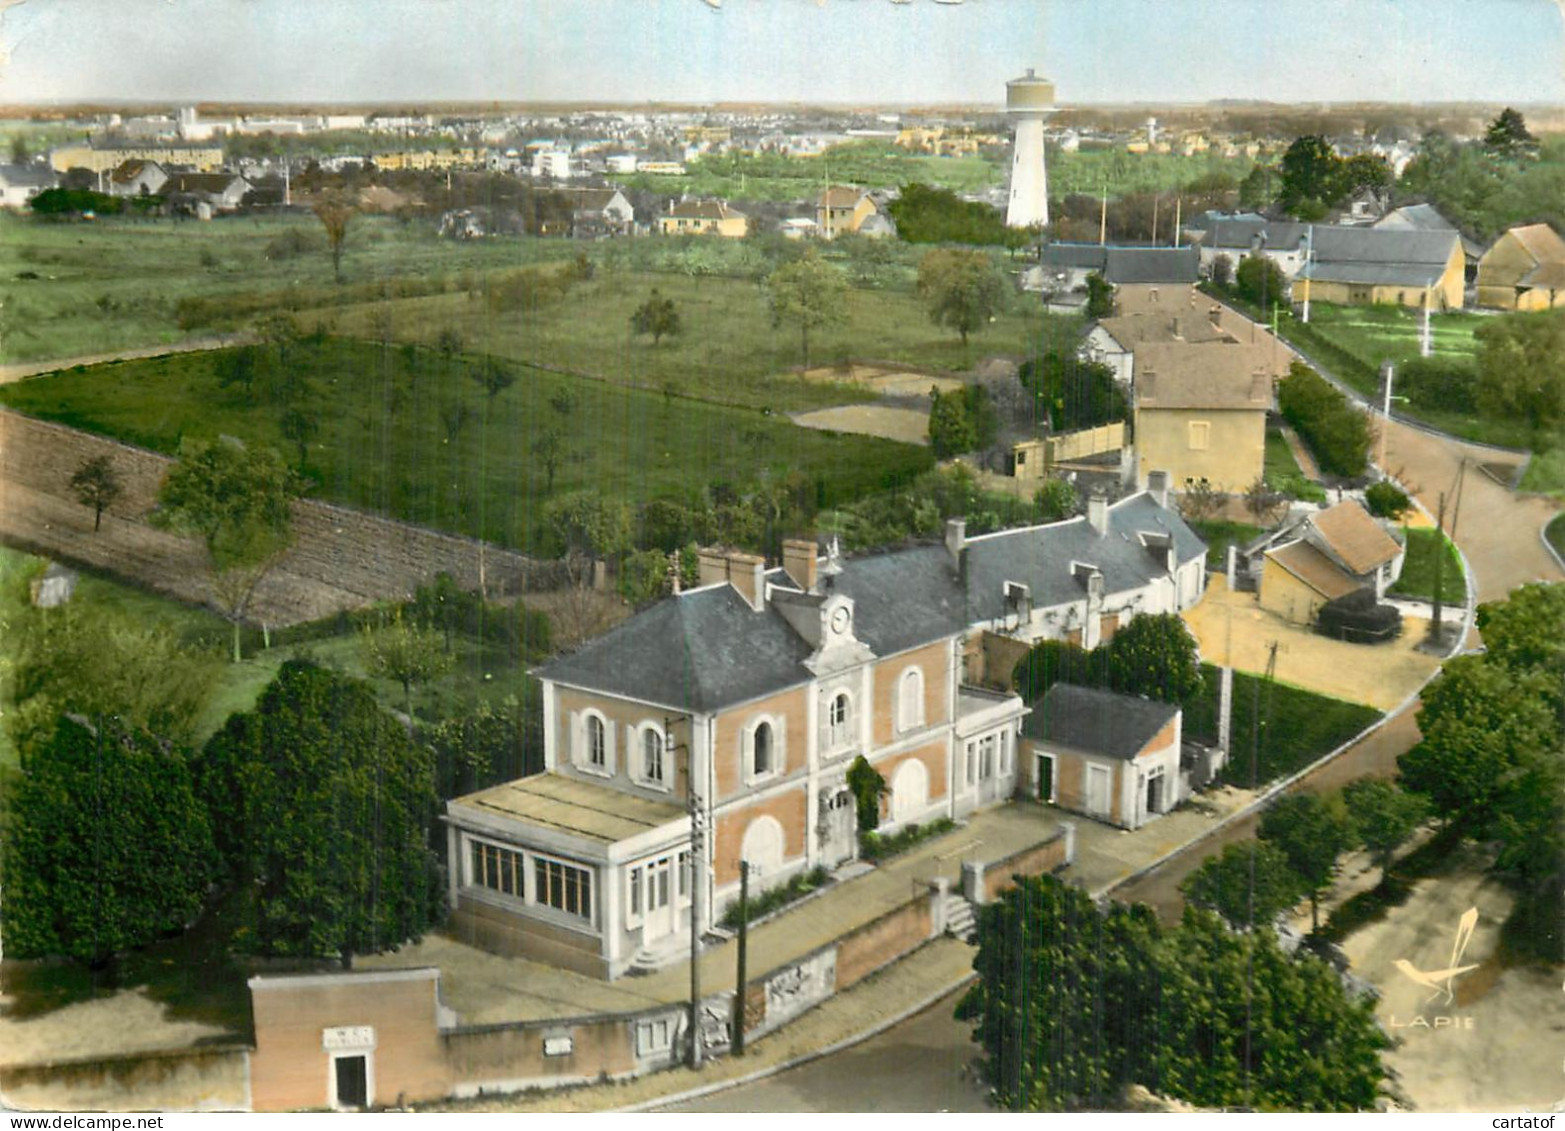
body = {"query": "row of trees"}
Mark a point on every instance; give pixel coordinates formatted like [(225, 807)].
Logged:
[(1074, 1003), (1300, 839)]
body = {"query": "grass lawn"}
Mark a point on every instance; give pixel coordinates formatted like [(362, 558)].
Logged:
[(1219, 535), (1298, 726), (1418, 570), (1545, 474), (1283, 473), (384, 442), (1392, 333)]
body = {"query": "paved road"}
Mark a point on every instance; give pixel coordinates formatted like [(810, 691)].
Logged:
[(923, 1064)]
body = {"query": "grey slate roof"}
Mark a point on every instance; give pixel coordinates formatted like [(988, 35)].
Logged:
[(707, 649), (1331, 243), (1040, 557), (1126, 264), (1097, 722)]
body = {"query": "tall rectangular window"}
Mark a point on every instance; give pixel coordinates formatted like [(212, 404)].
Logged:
[(1200, 435)]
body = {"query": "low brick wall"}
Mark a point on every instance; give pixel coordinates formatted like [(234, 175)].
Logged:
[(982, 882), (882, 941), (210, 1078), (341, 558)]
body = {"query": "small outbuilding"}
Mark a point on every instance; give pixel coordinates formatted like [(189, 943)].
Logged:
[(1112, 757)]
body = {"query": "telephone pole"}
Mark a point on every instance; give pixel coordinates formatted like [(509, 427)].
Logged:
[(744, 938), (1434, 623), (697, 840)]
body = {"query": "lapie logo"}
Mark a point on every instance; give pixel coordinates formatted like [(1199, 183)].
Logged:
[(1440, 980)]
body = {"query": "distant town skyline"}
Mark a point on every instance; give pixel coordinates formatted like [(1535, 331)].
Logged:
[(812, 51)]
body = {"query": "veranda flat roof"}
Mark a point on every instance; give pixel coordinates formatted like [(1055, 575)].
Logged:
[(578, 808)]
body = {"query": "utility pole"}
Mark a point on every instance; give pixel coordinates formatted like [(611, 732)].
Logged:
[(1387, 373), (744, 939), (697, 840), (1309, 251), (1434, 623)]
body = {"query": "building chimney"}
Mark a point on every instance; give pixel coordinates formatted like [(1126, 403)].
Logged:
[(799, 562), (746, 573), (1157, 485), (1256, 242), (956, 538), (713, 566), (1098, 514)]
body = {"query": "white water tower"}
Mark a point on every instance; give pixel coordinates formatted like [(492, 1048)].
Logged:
[(1028, 101)]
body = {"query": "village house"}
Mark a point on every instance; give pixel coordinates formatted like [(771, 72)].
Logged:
[(1062, 270), (1523, 270), (1113, 341), (737, 708), (844, 208), (703, 217), (1324, 557), (599, 212), (138, 178), (1115, 758), (1199, 412), (20, 183), (218, 192)]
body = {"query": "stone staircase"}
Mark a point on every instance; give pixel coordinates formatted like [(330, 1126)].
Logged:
[(650, 959), (961, 918)]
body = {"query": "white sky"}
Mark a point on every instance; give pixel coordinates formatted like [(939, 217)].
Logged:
[(780, 50)]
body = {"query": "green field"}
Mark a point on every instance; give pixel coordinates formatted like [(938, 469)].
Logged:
[(1393, 333), (69, 289), (384, 444)]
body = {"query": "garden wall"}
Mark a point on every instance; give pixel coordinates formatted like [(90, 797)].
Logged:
[(209, 1078)]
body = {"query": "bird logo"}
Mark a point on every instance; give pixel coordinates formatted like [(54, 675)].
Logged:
[(1440, 980)]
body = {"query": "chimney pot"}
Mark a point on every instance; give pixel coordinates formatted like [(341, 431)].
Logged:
[(956, 537), (1157, 484)]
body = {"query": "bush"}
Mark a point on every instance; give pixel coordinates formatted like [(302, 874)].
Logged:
[(1447, 383), (1386, 500), (873, 846), (1336, 432), (779, 897)]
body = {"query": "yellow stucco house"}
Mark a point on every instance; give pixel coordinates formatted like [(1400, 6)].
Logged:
[(107, 158), (704, 217), (1200, 413), (1370, 266), (1524, 270), (1330, 554), (843, 208)]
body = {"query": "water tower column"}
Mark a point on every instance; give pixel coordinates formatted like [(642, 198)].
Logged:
[(1028, 101)]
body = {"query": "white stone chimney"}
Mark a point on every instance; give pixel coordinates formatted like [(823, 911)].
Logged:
[(1098, 515)]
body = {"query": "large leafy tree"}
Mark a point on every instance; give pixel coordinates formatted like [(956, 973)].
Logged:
[(1248, 1026), (808, 293), (1519, 374), (1070, 392), (1385, 815), (335, 211), (236, 500), (1479, 722), (1310, 176), (1310, 831), (322, 802), (1526, 631), (1154, 655), (951, 429), (1508, 137), (1337, 433), (961, 289), (107, 847), (401, 650), (1249, 884), (1073, 1002), (1257, 279)]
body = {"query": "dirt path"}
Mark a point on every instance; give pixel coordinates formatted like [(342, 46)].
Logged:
[(22, 370)]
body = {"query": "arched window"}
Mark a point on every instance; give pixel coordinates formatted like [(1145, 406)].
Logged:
[(597, 743), (652, 755), (761, 752), (910, 700), (762, 848)]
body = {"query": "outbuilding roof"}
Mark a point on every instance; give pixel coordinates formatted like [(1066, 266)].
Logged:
[(1355, 537), (1313, 568), (1094, 721)]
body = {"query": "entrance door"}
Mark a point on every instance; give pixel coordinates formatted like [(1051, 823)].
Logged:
[(1155, 793), (658, 919), (1098, 786), (352, 1074), (1045, 777), (840, 826), (988, 769)]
